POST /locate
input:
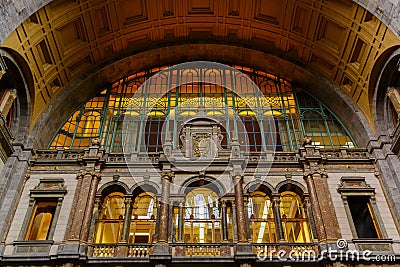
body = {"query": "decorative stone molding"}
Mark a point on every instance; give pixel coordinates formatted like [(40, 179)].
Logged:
[(83, 173), (307, 141), (355, 186), (96, 141), (7, 100), (6, 139), (310, 173), (2, 72), (53, 186), (201, 138), (167, 175)]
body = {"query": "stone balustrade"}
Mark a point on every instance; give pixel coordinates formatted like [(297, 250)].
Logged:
[(64, 155)]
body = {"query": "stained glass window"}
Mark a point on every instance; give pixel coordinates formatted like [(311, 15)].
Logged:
[(135, 113)]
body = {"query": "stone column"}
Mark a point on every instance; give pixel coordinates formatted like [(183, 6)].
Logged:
[(82, 209), (171, 228), (321, 201), (224, 222), (127, 219), (240, 211), (234, 221), (180, 222), (89, 206), (164, 208), (95, 216), (324, 212), (310, 217), (157, 222), (316, 209), (394, 97), (276, 201)]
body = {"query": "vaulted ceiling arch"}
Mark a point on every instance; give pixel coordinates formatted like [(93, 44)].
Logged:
[(65, 41)]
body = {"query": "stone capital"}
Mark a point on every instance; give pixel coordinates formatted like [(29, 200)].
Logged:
[(236, 174), (167, 175), (92, 173), (310, 173)]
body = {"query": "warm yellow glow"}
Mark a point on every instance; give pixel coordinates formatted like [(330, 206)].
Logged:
[(142, 227), (272, 113), (202, 220), (262, 224), (214, 113), (156, 114), (247, 113), (294, 219), (132, 113), (188, 113), (109, 225), (40, 223)]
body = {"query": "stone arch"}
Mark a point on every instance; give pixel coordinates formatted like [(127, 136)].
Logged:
[(312, 82), (262, 186), (389, 63), (18, 76), (145, 186), (207, 181), (113, 186), (290, 185)]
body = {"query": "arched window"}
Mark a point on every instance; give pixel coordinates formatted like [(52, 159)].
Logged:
[(202, 222), (262, 224), (143, 219), (127, 119), (111, 219), (294, 218)]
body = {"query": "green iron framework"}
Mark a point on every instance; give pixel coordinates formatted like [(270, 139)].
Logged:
[(125, 122)]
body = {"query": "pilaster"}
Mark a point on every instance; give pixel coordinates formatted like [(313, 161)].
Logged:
[(327, 226)]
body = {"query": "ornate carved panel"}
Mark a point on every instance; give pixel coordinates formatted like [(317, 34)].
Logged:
[(201, 138)]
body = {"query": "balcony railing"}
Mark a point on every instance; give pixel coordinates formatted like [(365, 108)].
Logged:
[(140, 250), (121, 250), (208, 250), (69, 156), (104, 250), (262, 250), (199, 250)]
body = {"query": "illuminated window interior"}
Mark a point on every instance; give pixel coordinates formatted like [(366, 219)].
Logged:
[(262, 224), (143, 219), (111, 219), (40, 223), (202, 217), (126, 124), (294, 218)]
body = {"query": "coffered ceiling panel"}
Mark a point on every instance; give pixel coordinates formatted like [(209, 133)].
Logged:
[(67, 39)]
